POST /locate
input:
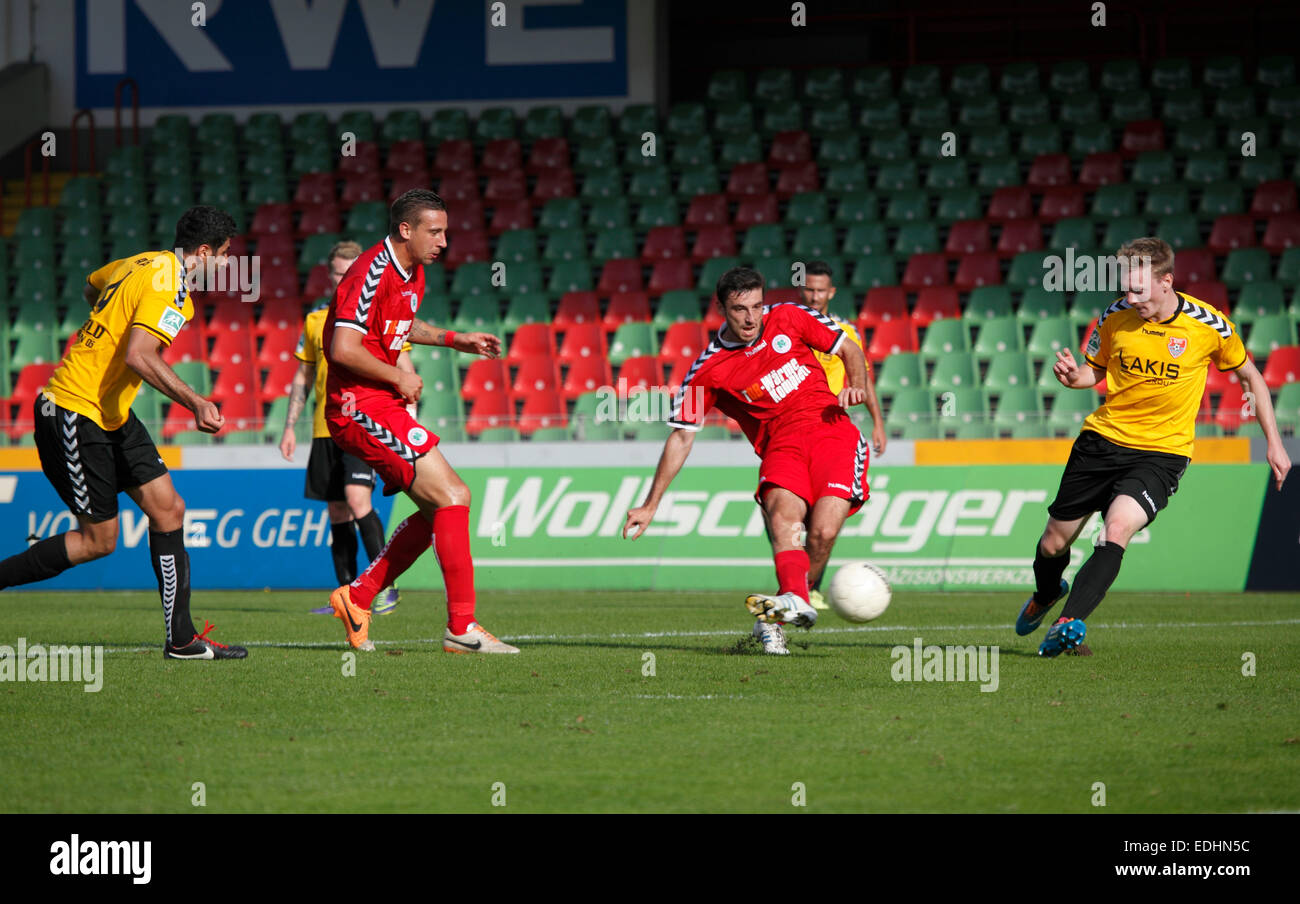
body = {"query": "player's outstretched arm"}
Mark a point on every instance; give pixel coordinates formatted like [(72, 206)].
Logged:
[(143, 355), (1071, 374), (676, 448), (484, 344), (1253, 380), (303, 379), (346, 349)]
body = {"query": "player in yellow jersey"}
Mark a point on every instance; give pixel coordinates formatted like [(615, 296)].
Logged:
[(817, 291), (1153, 348), (344, 482), (93, 447)]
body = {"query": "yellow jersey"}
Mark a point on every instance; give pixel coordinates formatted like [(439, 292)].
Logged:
[(146, 291), (832, 364), (1155, 372)]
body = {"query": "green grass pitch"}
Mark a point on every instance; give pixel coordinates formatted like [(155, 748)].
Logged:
[(1162, 714)]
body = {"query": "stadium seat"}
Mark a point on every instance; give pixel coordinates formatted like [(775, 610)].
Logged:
[(945, 337), (664, 242), (1049, 170), (577, 309), (747, 179), (998, 335), (1049, 336), (619, 275), (632, 340), (484, 377), (534, 373), (934, 304), (1018, 236), (626, 307), (1282, 232), (987, 302), (968, 237), (1144, 135), (1273, 198), (526, 308), (713, 242), (1269, 333), (673, 273), (953, 370), (683, 340), (1061, 202), (975, 270), (707, 210), (1282, 366), (1012, 202), (881, 305), (925, 270), (1245, 265), (586, 375)]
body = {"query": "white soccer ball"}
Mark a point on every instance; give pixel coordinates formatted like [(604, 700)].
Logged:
[(859, 592)]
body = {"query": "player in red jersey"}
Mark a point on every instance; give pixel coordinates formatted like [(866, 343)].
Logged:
[(371, 317), (760, 371)]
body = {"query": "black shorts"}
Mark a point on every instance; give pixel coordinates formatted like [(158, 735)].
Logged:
[(1099, 470), (88, 465), (330, 469)]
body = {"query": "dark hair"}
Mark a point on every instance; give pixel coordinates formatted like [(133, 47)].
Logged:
[(819, 268), (738, 281), (203, 226), (406, 209)]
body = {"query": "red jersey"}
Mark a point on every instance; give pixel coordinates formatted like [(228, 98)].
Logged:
[(772, 385), (378, 299)]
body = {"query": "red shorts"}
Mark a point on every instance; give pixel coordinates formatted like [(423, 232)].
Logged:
[(386, 438), (825, 460)]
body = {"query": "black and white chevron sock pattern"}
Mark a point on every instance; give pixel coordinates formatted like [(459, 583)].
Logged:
[(369, 286), (675, 415), (1207, 317), (72, 456), (167, 565), (859, 465), (385, 436), (1119, 305)]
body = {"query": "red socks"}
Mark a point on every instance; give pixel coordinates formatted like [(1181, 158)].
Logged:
[(792, 573), (405, 546), (451, 541)]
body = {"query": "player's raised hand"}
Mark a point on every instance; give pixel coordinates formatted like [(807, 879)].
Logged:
[(638, 519), (409, 386), (207, 417), (484, 344), (851, 395), (1065, 368), (1280, 462), (288, 444)]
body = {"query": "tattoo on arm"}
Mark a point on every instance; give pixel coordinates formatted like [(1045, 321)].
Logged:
[(297, 400), (424, 334)]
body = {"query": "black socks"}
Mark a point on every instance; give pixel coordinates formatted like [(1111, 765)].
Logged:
[(372, 534), (343, 548), (1047, 575), (39, 562), (171, 565), (1093, 580)]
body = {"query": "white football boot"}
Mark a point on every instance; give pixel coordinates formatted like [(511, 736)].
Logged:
[(772, 637), (475, 640), (787, 607)]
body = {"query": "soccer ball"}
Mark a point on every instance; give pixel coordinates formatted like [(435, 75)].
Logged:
[(859, 592)]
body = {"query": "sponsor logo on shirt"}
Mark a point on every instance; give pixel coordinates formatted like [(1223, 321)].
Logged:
[(171, 322), (1177, 345), (781, 344), (750, 352), (784, 380)]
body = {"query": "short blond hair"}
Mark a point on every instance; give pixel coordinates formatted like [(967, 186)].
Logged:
[(1160, 253), (346, 250)]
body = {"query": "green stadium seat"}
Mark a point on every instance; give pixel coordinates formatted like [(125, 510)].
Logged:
[(774, 85), (990, 142), (494, 124), (999, 335), (1123, 229), (1073, 232), (525, 277), (1154, 168), (1269, 333), (516, 245), (224, 192), (435, 279), (1029, 109), (971, 80), (636, 156), (1020, 411), (1206, 166), (570, 276), (477, 314), (1087, 306), (900, 372), (34, 252), (1288, 267), (571, 244), (596, 154), (1008, 371), (1246, 265), (657, 212), (815, 241), (808, 208), (1081, 109), (1180, 231), (777, 272), (856, 207), (1040, 304), (1111, 201), (947, 174), (35, 222), (1287, 408), (947, 336), (764, 241), (636, 120), (80, 197), (1263, 167), (1091, 138), (872, 272), (435, 308), (543, 122), (847, 178), (526, 309), (126, 161), (1259, 299), (882, 113), (959, 204), (649, 184), (1276, 71), (171, 130), (602, 184), (448, 124), (1195, 136), (316, 249), (999, 172), (1050, 336), (616, 242), (1166, 200), (1219, 198), (677, 306), (910, 204), (733, 118), (988, 302), (474, 278), (609, 213), (693, 151), (726, 85), (954, 370), (782, 116), (897, 176), (930, 114), (1041, 138), (830, 116), (632, 340), (914, 238), (711, 271), (824, 84), (888, 145), (81, 256), (744, 147), (1026, 270), (700, 180), (835, 147), (980, 112), (561, 213), (912, 414)]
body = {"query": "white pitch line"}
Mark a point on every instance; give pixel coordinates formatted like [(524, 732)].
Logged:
[(651, 635)]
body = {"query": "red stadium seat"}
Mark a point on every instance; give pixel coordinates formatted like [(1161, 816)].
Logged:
[(968, 237), (535, 373), (315, 188), (406, 157), (318, 218), (278, 381), (1282, 232), (231, 348), (178, 420), (707, 210), (1223, 383), (1193, 265), (230, 317), (276, 250), (663, 242), (404, 182), (465, 215), (797, 178), (683, 340), (530, 340), (1011, 202), (319, 284), (457, 186), (507, 185), (677, 371), (1018, 236), (577, 309), (789, 148), (643, 371), (364, 160), (1233, 413), (713, 319), (891, 338), (1278, 196), (1144, 135), (583, 341), (31, 379), (368, 186), (554, 183), (238, 246), (278, 283), (278, 347), (454, 155), (755, 210), (488, 410), (619, 275), (190, 343), (464, 247), (668, 275), (924, 270), (542, 409), (1062, 201), (1211, 291), (1231, 231), (272, 219), (502, 155), (507, 215), (882, 305), (242, 411), (1101, 169), (484, 376), (782, 296), (279, 316), (935, 304), (586, 375), (1282, 366), (626, 307), (548, 154), (713, 241), (1049, 170), (234, 380), (747, 179)]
